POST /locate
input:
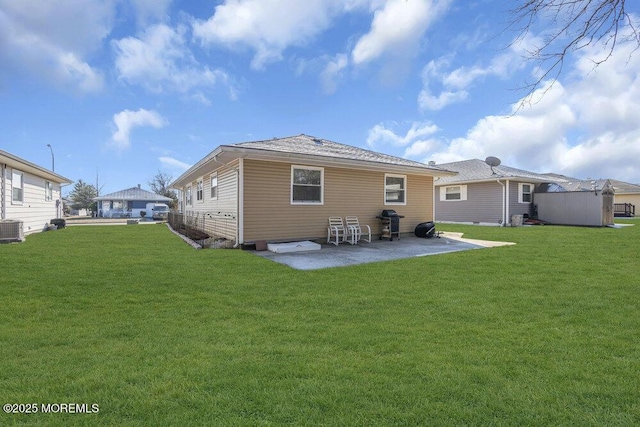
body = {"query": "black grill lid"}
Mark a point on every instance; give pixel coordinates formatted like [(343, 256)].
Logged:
[(389, 212)]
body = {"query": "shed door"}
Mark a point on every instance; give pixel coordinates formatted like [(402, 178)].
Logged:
[(607, 208)]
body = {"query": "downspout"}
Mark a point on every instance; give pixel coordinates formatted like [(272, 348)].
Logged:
[(3, 212), (240, 203), (503, 200), (508, 203)]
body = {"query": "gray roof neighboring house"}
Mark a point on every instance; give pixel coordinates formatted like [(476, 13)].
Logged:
[(476, 170), (621, 187), (310, 150), (134, 193)]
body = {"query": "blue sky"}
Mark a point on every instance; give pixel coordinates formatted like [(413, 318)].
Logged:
[(124, 89)]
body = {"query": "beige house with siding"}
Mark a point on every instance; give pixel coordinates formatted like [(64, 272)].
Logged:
[(29, 193), (626, 194), (285, 189)]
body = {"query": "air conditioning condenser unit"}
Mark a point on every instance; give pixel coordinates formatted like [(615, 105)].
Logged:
[(11, 231)]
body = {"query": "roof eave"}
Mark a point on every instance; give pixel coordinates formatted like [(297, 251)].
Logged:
[(227, 153), (496, 178), (26, 166)]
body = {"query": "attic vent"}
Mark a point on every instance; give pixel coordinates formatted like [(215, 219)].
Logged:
[(317, 141), (432, 163), (11, 231)]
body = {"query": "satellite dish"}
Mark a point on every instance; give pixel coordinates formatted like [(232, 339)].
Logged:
[(492, 161)]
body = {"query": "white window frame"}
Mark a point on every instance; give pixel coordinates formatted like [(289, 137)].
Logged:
[(48, 191), (200, 190), (188, 196), (214, 186), (307, 202), (403, 190), (521, 192), (20, 175), (443, 193)]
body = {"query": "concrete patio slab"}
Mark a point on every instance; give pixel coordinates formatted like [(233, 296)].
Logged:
[(376, 251)]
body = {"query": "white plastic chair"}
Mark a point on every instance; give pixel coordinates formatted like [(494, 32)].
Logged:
[(336, 233), (357, 232)]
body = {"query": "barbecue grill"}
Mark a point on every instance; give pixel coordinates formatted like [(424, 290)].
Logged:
[(389, 224)]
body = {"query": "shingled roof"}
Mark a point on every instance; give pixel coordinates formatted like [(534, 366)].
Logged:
[(134, 193), (309, 150), (478, 170), (312, 146)]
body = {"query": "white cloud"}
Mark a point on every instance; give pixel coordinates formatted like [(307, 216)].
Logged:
[(333, 72), (150, 11), (268, 27), (52, 38), (174, 164), (415, 139), (125, 121), (454, 86), (584, 126), (160, 61), (397, 28)]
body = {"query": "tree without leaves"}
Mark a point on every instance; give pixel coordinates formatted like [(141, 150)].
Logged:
[(159, 184), (576, 24)]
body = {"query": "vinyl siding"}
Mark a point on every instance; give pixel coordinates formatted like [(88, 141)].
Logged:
[(516, 208), (35, 212), (634, 199), (483, 205), (221, 214), (269, 214)]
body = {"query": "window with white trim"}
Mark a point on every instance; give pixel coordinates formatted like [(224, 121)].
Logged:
[(395, 189), (187, 196), (200, 191), (48, 191), (17, 187), (452, 193), (307, 185), (525, 193), (214, 186)]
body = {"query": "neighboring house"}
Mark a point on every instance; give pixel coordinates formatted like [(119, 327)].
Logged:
[(128, 203), (626, 198), (285, 189), (483, 194), (29, 193)]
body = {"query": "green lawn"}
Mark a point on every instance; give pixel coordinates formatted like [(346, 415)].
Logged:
[(546, 332)]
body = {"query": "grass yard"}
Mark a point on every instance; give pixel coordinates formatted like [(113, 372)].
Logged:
[(546, 332)]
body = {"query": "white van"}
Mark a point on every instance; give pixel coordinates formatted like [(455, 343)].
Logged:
[(158, 211)]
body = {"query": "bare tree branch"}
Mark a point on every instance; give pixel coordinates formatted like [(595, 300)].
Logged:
[(574, 25)]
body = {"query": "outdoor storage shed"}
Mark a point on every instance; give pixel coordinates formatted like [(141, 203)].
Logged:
[(589, 208)]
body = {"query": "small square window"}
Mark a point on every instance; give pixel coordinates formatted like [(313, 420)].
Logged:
[(307, 185), (395, 187), (525, 193)]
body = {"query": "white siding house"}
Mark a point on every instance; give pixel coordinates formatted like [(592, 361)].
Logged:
[(29, 193)]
